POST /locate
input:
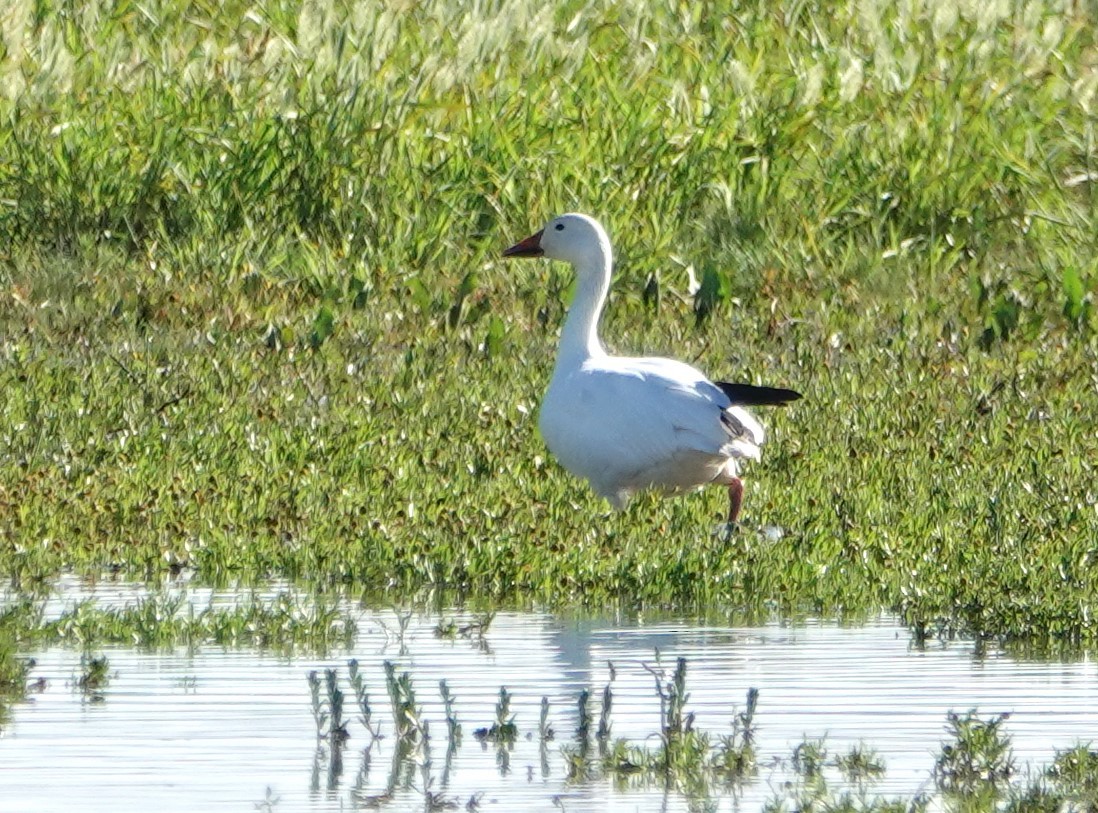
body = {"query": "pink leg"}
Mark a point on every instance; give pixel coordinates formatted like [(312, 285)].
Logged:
[(735, 498)]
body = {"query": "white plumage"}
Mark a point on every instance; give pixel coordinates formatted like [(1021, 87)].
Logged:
[(631, 424)]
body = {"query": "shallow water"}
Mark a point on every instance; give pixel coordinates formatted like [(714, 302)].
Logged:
[(217, 729)]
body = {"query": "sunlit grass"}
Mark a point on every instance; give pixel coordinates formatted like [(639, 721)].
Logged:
[(254, 323)]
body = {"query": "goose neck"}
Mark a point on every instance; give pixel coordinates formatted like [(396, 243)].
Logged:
[(580, 336)]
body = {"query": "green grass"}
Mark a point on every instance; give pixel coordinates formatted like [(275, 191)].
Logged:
[(254, 323)]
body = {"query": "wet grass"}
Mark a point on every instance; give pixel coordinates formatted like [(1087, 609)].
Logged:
[(253, 322)]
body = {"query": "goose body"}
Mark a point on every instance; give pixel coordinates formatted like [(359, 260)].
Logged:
[(628, 424)]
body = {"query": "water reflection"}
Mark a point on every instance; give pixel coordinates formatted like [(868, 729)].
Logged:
[(215, 729)]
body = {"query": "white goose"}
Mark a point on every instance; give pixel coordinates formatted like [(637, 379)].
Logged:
[(630, 424)]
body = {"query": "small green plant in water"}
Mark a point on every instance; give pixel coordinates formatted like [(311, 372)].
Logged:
[(672, 695), (583, 727), (362, 699), (809, 758), (687, 758), (979, 760), (860, 763), (446, 628), (503, 729), (1074, 773), (407, 717), (579, 766), (453, 727), (475, 631), (94, 676), (810, 791), (973, 772), (326, 699), (284, 622), (1039, 798), (603, 732), (14, 672), (734, 759)]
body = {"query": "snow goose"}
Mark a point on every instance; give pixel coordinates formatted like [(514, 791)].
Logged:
[(631, 424)]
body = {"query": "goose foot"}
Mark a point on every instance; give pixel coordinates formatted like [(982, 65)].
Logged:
[(724, 531)]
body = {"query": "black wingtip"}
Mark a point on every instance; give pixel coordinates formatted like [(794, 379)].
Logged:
[(750, 395)]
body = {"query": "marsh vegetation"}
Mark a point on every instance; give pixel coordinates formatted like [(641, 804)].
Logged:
[(253, 325)]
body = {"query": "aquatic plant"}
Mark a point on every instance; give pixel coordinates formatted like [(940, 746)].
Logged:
[(734, 759), (362, 699), (672, 696), (689, 759), (407, 716), (1074, 774), (979, 759), (285, 622), (403, 619), (94, 676), (603, 731), (475, 631), (1037, 797), (453, 727), (503, 730), (17, 624), (327, 705), (975, 769), (860, 763), (809, 758)]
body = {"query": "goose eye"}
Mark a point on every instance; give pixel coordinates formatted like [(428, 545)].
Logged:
[(559, 227)]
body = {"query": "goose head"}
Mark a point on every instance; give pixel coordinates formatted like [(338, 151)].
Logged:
[(572, 238)]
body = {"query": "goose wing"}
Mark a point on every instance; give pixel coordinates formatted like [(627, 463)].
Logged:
[(614, 420)]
